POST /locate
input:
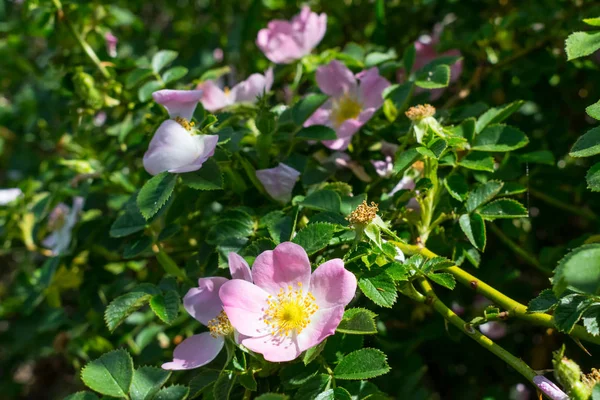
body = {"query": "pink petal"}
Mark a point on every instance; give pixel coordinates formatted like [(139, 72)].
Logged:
[(279, 182), (323, 323), (203, 303), (205, 147), (245, 305), (335, 79), (179, 103), (549, 388), (285, 266), (332, 284), (279, 349), (195, 351), (213, 98), (239, 268), (279, 42), (372, 86), (321, 116), (311, 26), (344, 132)]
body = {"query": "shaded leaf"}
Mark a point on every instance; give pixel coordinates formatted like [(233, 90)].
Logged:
[(121, 307), (111, 374), (380, 288), (166, 307), (155, 193), (499, 138), (587, 145), (147, 381), (358, 321), (545, 301), (315, 237), (209, 177), (362, 364), (503, 208), (474, 228)]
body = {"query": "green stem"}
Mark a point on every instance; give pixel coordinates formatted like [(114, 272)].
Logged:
[(514, 308), (518, 364), (520, 251), (584, 212), (82, 43)]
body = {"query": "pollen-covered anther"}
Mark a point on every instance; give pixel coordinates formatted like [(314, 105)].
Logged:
[(185, 123), (290, 311), (419, 112), (592, 378), (363, 214), (220, 325)]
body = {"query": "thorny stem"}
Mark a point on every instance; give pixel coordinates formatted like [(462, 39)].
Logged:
[(520, 251), (515, 308), (518, 364), (584, 212), (82, 43), (429, 203)]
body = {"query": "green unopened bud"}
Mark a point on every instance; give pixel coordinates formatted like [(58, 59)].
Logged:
[(86, 90), (569, 375)]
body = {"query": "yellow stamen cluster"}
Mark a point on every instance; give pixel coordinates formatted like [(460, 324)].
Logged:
[(343, 109), (220, 326), (419, 112), (290, 311), (185, 123), (363, 214)]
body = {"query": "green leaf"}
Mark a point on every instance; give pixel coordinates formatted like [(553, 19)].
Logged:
[(457, 186), (155, 193), (362, 364), (145, 92), (435, 264), (317, 132), (545, 301), (569, 310), (136, 76), (511, 188), (121, 307), (279, 226), (408, 59), (315, 237), (82, 396), (499, 138), (297, 374), (437, 147), (111, 374), (311, 354), (358, 321), (228, 229), (537, 157), (175, 392), (579, 269), (478, 162), (306, 107), (248, 381), (313, 387), (588, 144), (503, 208), (202, 382), (166, 307), (379, 287), (174, 74), (147, 381), (272, 396), (323, 200), (594, 110), (405, 159), (130, 221), (433, 77), (223, 385), (580, 44), (444, 279), (596, 392), (209, 177), (592, 21), (162, 59), (591, 319), (496, 115), (482, 194), (593, 178), (399, 95), (338, 393), (377, 58), (137, 246), (474, 228)]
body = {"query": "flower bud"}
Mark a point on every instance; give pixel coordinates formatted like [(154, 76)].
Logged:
[(423, 121), (86, 90)]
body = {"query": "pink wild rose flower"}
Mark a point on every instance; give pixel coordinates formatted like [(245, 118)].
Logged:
[(175, 147), (549, 388), (354, 99), (111, 44), (284, 42), (203, 304), (288, 310), (214, 98), (279, 181)]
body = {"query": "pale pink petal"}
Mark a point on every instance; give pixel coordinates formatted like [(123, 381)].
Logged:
[(335, 79), (323, 323), (213, 98), (239, 268), (344, 133), (171, 147), (245, 305), (274, 349), (9, 195), (203, 303), (279, 181), (256, 85), (321, 116), (179, 103), (372, 86), (280, 43), (195, 351), (493, 329), (406, 183), (285, 266), (549, 388), (205, 148), (311, 26), (332, 284), (383, 168)]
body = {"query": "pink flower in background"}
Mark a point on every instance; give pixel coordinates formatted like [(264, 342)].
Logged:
[(354, 100), (111, 44), (426, 52), (203, 304), (287, 310), (284, 42), (385, 167), (9, 195), (279, 181), (175, 148), (549, 388), (214, 98), (61, 222), (218, 54), (493, 329)]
